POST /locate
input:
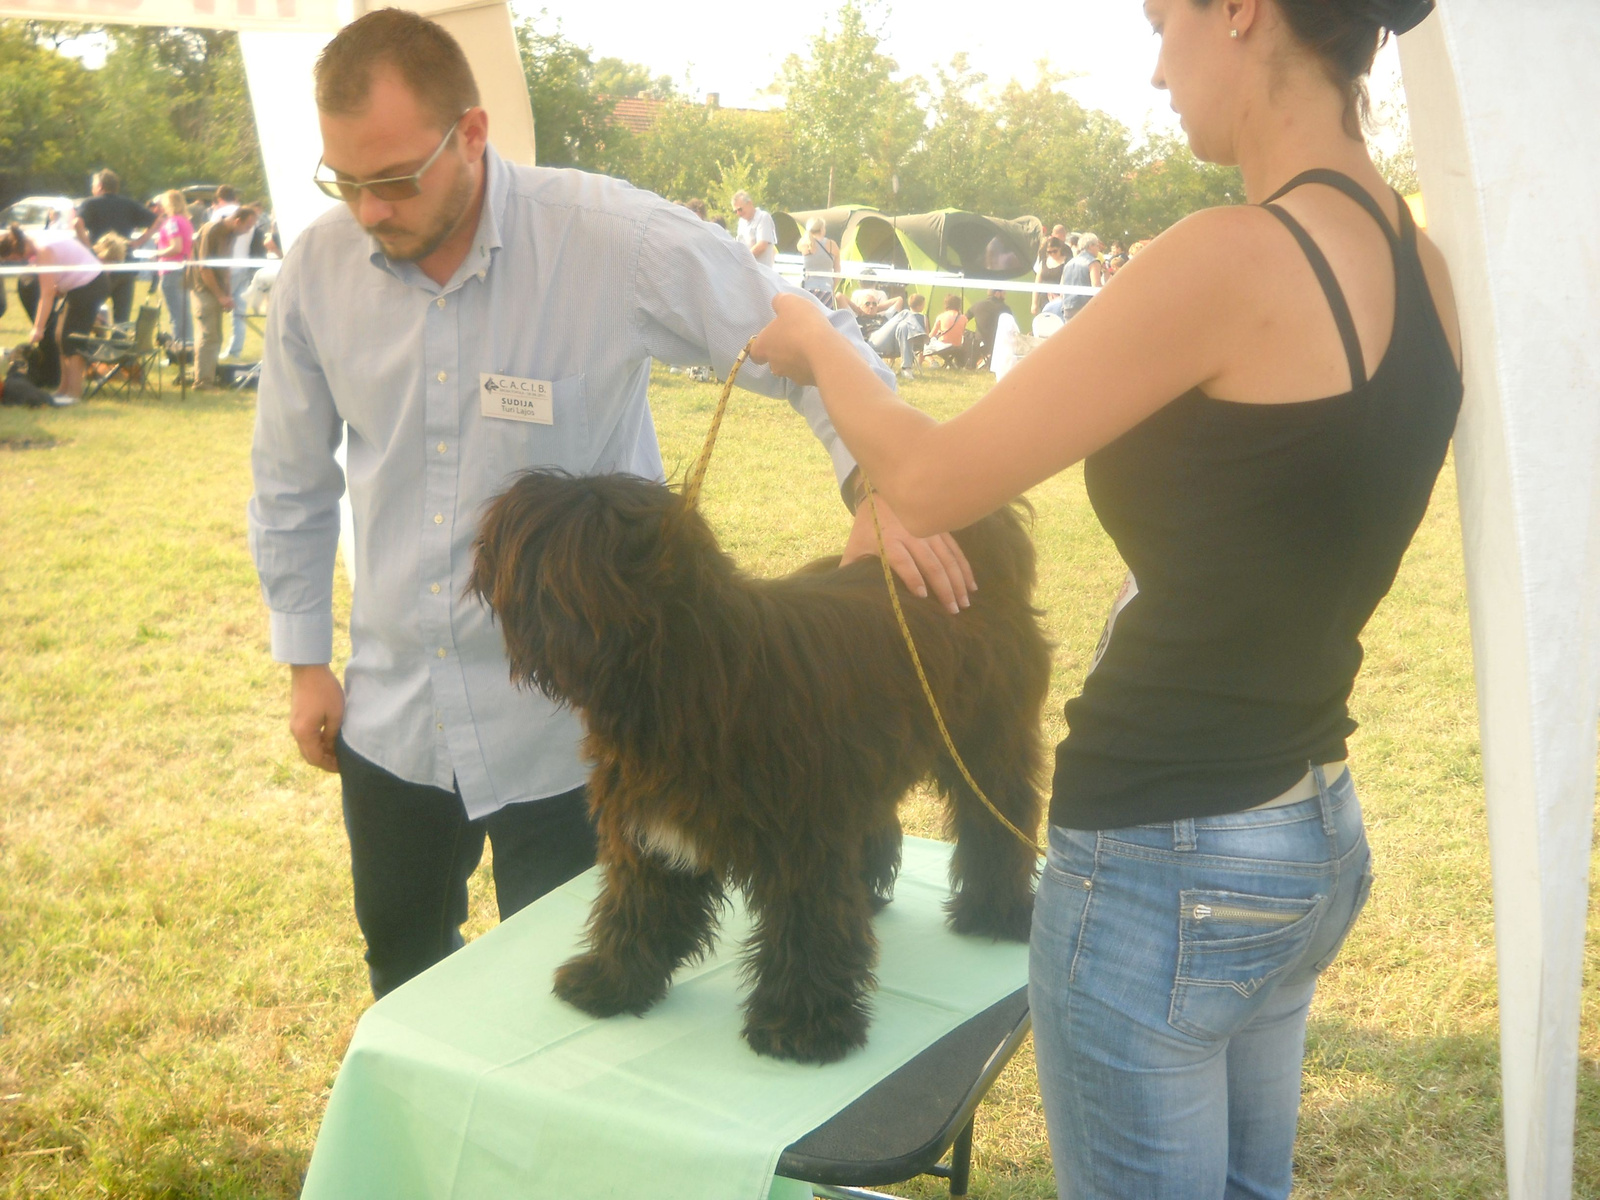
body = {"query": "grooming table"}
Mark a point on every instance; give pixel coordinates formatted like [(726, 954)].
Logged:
[(474, 1081)]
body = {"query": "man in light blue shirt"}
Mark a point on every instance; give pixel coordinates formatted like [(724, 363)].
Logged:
[(450, 280)]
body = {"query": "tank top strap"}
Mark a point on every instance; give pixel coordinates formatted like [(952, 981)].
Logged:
[(1334, 293), (1342, 183)]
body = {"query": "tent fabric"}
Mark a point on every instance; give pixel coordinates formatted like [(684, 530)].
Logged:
[(1505, 156), (834, 220)]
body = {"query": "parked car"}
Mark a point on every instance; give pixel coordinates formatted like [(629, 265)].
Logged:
[(36, 213)]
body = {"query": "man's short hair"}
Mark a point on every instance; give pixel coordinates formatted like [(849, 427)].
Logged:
[(107, 181), (738, 196), (918, 301), (227, 194), (1086, 240), (428, 60), (246, 212)]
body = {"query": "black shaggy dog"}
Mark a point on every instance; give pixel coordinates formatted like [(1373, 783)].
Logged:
[(758, 734)]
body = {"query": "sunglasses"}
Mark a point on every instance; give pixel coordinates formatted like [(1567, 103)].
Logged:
[(395, 187)]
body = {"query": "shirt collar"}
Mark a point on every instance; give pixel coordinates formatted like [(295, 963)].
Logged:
[(496, 189)]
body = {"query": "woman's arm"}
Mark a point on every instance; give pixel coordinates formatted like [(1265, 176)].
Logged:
[(1161, 327), (47, 293)]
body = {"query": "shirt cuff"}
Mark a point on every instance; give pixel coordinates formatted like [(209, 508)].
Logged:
[(302, 639)]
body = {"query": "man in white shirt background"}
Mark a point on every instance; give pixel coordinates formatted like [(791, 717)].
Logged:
[(756, 229)]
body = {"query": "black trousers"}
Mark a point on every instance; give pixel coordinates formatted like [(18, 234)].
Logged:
[(412, 850)]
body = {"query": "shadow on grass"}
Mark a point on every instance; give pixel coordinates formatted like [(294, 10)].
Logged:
[(21, 429), (1394, 1116)]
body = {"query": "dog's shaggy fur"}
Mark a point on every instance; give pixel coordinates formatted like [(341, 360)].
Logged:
[(759, 734)]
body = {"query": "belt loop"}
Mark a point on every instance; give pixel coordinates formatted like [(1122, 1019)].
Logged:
[(1324, 798), (1183, 834)]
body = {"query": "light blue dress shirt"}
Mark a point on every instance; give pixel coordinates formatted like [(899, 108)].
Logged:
[(573, 279)]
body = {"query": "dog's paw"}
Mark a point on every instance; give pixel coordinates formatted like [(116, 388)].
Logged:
[(601, 988), (815, 1037), (1011, 921)]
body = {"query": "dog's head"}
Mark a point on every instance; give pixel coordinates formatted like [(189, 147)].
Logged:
[(584, 573)]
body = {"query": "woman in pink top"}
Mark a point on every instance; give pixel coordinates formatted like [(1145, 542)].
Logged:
[(174, 243), (85, 288)]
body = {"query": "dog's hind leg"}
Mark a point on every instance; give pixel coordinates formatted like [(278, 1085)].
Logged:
[(881, 862), (811, 961), (647, 921), (991, 871)]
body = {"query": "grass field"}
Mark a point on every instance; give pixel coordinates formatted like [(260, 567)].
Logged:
[(179, 970)]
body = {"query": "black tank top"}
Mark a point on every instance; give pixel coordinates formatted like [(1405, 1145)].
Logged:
[(1259, 538)]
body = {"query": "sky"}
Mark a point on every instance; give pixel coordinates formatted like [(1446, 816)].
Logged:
[(1107, 44)]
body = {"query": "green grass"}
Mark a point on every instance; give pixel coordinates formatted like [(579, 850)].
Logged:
[(179, 969)]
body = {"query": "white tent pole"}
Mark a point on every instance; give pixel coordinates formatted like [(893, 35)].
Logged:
[(1510, 160)]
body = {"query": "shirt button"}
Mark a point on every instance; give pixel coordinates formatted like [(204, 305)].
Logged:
[(440, 726), (441, 447), (440, 301), (438, 518), (442, 376), (434, 589), (481, 274), (441, 651)]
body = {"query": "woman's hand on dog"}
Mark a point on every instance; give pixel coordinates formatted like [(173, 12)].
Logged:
[(316, 710), (920, 562)]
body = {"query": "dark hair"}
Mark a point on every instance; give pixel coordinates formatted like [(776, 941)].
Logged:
[(226, 194), (953, 302), (246, 210), (108, 181), (11, 241), (1345, 35), (1054, 243), (428, 60)]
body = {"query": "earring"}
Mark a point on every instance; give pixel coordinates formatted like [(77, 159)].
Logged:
[(1234, 34)]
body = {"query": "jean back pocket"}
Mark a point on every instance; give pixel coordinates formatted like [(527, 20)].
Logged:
[(1230, 947)]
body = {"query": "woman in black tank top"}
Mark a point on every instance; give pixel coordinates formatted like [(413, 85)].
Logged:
[(1261, 446)]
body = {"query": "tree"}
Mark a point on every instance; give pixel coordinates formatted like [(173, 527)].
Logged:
[(613, 77), (1169, 183), (571, 120), (846, 109), (169, 106)]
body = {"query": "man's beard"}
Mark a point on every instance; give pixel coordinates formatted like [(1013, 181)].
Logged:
[(451, 213)]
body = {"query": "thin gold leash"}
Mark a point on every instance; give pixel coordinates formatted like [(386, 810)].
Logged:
[(691, 497)]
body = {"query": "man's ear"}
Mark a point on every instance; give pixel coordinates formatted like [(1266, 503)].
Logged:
[(474, 132)]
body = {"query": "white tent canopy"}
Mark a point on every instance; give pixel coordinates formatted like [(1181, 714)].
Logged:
[(1506, 157)]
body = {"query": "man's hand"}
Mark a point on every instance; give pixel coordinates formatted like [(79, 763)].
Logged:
[(316, 710), (226, 302), (936, 560)]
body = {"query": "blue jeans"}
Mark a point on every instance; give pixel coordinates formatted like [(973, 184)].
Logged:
[(176, 296), (1171, 969), (894, 335), (240, 280)]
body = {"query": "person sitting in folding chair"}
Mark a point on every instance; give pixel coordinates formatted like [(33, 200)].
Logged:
[(903, 333)]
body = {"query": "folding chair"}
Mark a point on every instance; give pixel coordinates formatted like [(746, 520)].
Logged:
[(130, 351), (902, 1127)]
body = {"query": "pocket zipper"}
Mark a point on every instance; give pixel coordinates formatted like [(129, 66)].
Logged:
[(1230, 912)]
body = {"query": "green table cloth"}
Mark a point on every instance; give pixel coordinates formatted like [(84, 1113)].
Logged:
[(474, 1081)]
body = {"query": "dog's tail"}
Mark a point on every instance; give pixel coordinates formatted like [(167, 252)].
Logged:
[(1001, 550)]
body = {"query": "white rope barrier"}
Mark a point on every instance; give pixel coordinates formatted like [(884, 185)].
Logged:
[(157, 266), (867, 273)]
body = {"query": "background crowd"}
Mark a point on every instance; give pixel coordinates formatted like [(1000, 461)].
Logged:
[(182, 236)]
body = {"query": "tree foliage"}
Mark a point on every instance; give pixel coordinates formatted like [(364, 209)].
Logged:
[(168, 107)]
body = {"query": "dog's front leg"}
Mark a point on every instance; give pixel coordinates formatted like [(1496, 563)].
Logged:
[(810, 960), (646, 922)]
